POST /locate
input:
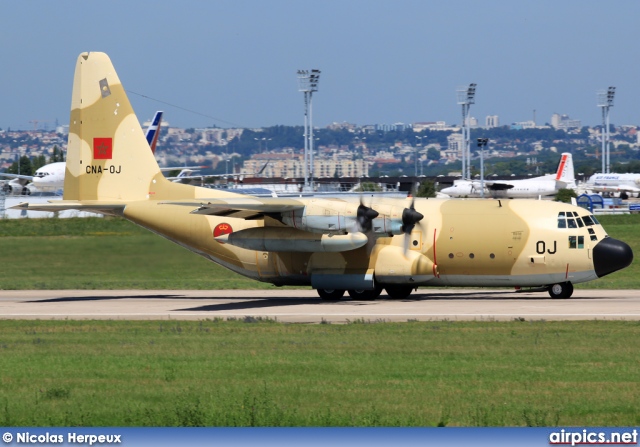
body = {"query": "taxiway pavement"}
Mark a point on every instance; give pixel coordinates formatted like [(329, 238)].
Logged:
[(304, 306)]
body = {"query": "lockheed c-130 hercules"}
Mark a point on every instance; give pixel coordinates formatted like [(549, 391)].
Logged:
[(332, 245)]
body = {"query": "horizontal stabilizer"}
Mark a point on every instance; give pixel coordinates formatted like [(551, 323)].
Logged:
[(64, 205)]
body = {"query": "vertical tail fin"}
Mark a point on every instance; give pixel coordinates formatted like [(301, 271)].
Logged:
[(108, 157), (153, 132), (565, 169)]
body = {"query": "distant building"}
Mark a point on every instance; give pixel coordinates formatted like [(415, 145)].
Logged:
[(563, 122), (454, 147), (492, 121), (432, 125), (289, 165), (523, 125)]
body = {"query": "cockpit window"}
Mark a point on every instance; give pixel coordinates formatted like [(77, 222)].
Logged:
[(571, 219)]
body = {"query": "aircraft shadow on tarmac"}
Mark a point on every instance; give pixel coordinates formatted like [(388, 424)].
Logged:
[(65, 299), (261, 303)]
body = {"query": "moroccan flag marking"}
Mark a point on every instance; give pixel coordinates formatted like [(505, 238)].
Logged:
[(102, 148)]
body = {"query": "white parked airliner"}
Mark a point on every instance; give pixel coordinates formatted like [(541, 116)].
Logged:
[(528, 188)]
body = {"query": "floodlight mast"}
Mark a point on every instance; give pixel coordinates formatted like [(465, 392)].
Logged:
[(466, 97), (605, 101), (482, 143), (307, 84)]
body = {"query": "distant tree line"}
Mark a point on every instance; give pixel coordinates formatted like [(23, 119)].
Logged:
[(28, 166)]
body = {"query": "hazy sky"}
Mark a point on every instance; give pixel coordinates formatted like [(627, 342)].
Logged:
[(381, 61)]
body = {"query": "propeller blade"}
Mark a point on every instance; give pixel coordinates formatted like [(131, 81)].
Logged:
[(365, 216), (410, 217)]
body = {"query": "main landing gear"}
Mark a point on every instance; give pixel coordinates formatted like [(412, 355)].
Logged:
[(396, 292), (561, 290)]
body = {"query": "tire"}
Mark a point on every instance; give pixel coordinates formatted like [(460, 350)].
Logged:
[(365, 295), (398, 292), (330, 294), (561, 290)]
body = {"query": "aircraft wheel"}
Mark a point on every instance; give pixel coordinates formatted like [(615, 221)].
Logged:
[(358, 294), (398, 292), (330, 294), (561, 290)]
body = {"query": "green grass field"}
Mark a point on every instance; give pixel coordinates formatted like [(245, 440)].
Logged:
[(235, 373), (111, 253)]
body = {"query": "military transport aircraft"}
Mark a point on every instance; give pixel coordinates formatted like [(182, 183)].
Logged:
[(332, 245)]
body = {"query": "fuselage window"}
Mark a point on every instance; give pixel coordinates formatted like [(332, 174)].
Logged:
[(572, 242), (580, 241)]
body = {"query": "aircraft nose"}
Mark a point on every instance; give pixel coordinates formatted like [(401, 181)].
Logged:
[(611, 255)]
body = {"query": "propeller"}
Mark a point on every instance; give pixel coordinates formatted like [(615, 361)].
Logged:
[(364, 222), (410, 217), (365, 216)]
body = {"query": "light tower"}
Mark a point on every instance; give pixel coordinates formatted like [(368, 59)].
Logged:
[(605, 100), (482, 143), (466, 97), (307, 84)]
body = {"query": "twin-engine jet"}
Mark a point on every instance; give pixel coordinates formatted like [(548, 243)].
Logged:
[(332, 245), (622, 184)]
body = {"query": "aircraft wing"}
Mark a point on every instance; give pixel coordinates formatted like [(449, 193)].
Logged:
[(21, 177), (228, 206), (498, 186), (180, 168)]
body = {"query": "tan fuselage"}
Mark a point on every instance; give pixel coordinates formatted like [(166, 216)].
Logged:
[(458, 243)]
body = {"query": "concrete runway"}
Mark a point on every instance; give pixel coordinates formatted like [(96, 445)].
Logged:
[(304, 306)]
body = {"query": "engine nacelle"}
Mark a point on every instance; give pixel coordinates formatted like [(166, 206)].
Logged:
[(339, 217), (280, 239), (14, 188), (393, 266)]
